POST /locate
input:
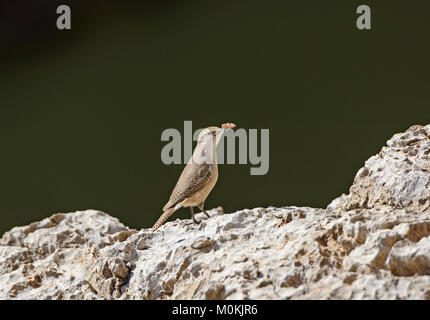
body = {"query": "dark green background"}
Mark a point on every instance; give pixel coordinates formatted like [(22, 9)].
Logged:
[(82, 111)]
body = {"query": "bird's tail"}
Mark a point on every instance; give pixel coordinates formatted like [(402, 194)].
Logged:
[(166, 214)]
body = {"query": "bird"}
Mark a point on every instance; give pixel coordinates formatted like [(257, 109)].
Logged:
[(198, 177)]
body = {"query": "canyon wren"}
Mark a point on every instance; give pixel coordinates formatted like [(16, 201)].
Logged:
[(198, 177)]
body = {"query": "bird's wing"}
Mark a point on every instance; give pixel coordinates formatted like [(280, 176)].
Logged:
[(193, 178)]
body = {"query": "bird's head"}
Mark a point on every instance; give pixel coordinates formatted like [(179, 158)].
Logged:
[(213, 134), (205, 151)]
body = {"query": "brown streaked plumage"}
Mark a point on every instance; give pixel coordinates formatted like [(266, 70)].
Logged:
[(198, 177)]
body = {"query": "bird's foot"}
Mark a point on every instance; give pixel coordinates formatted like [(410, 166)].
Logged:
[(195, 221)]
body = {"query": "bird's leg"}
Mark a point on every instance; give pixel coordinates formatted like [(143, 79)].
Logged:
[(192, 215), (202, 207)]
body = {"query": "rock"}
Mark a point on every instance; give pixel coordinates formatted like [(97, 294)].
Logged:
[(399, 176), (373, 243)]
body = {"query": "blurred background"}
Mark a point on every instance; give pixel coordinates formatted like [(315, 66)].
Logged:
[(82, 111)]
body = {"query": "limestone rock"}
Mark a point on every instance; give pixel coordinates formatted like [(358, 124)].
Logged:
[(371, 244), (399, 176)]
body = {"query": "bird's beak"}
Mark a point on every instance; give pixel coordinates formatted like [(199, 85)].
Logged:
[(227, 126)]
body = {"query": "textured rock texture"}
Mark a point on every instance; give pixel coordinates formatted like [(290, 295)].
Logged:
[(398, 176), (373, 243)]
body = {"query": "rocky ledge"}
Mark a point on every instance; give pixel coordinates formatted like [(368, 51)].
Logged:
[(373, 243)]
